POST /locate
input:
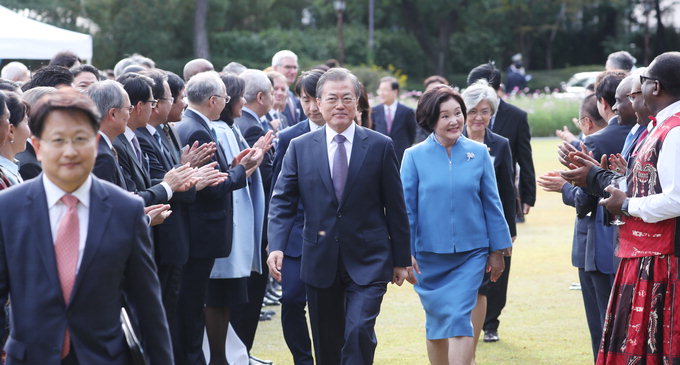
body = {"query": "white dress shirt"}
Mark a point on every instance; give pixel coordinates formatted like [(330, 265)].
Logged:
[(332, 146), (11, 170), (666, 205), (106, 139), (313, 126), (57, 209)]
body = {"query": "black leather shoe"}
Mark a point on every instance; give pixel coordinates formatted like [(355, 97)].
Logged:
[(491, 336), (255, 361)]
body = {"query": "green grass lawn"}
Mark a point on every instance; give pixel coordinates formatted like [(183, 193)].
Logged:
[(543, 322)]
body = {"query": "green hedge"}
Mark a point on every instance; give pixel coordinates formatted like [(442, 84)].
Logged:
[(548, 113)]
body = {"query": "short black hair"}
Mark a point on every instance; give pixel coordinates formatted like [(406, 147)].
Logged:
[(158, 76), (486, 71), (589, 107), (65, 59), (666, 68), (235, 86), (606, 84), (17, 107), (3, 103), (67, 99), (176, 83), (50, 75), (307, 82), (427, 112), (435, 79), (86, 68), (137, 86), (394, 84)]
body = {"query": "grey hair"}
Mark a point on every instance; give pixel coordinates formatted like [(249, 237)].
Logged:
[(106, 95), (621, 60), (134, 59), (204, 85), (338, 74), (31, 96), (234, 67), (479, 91), (256, 82), (13, 71), (278, 56)]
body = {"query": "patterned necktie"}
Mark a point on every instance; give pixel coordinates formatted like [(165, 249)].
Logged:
[(388, 117), (66, 252), (339, 166), (138, 150), (157, 136)]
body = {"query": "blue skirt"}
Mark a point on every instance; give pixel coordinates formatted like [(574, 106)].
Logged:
[(447, 287)]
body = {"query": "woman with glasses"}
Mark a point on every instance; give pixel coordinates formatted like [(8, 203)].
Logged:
[(457, 225), (482, 102), (17, 132)]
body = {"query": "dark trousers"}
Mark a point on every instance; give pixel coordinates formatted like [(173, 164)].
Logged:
[(343, 320), (595, 288), (170, 277), (188, 345), (293, 318), (496, 298), (245, 317)]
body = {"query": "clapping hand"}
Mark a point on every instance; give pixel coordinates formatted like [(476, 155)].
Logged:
[(208, 175), (196, 155), (552, 181), (157, 213), (618, 164)]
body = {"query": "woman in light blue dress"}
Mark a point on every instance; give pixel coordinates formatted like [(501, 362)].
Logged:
[(457, 225)]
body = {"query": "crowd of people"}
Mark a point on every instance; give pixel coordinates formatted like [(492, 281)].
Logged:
[(179, 199)]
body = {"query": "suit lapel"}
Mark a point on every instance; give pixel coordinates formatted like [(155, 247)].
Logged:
[(321, 150), (379, 119), (100, 211), (131, 153), (359, 148), (36, 201), (172, 151), (219, 154)]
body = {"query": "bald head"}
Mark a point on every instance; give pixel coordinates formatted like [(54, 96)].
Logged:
[(623, 107), (196, 66)]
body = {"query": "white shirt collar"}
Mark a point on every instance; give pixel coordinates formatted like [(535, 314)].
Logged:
[(54, 193), (250, 111), (129, 134), (106, 139), (313, 126), (151, 129), (348, 133), (199, 114), (667, 112)]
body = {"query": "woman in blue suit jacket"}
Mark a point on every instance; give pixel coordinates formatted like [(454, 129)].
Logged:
[(457, 224)]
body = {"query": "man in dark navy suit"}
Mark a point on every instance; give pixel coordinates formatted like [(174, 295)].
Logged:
[(86, 243), (294, 297), (355, 234), (393, 118), (210, 215)]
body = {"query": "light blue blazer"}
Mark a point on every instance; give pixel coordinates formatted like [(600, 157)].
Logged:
[(452, 203)]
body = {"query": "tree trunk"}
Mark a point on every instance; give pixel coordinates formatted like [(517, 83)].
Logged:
[(445, 29), (553, 33), (660, 30), (412, 16), (201, 47)]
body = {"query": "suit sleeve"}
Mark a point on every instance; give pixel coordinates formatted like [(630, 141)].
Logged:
[(284, 141), (496, 226), (409, 182), (506, 189), (237, 175), (395, 208), (283, 206), (143, 294), (156, 168), (411, 125), (598, 179), (4, 284), (155, 194), (569, 194), (585, 203), (104, 168), (527, 176), (29, 170)]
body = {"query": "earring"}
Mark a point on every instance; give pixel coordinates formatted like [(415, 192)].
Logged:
[(11, 141)]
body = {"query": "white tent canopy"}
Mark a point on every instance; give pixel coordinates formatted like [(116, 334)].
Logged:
[(24, 38)]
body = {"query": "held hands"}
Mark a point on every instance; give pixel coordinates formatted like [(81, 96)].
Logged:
[(157, 213), (275, 263), (412, 271), (399, 274), (495, 265), (196, 155)]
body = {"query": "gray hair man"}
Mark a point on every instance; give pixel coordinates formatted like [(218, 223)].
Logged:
[(16, 71), (286, 63)]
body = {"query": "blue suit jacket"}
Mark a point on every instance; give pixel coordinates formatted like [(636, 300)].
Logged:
[(293, 247), (117, 259), (210, 215), (453, 204), (367, 228)]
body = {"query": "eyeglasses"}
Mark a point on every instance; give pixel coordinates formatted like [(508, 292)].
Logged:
[(129, 108), (631, 95), (580, 120), (170, 99), (226, 98), (153, 102), (644, 78), (333, 100), (484, 113), (78, 141)]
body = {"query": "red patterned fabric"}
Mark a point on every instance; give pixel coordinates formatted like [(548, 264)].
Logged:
[(641, 326)]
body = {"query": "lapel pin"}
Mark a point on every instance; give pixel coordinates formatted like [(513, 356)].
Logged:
[(470, 156)]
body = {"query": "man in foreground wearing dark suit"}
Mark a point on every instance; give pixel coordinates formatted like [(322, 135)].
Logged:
[(210, 215), (511, 123), (86, 242), (294, 297), (355, 235), (394, 119)]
